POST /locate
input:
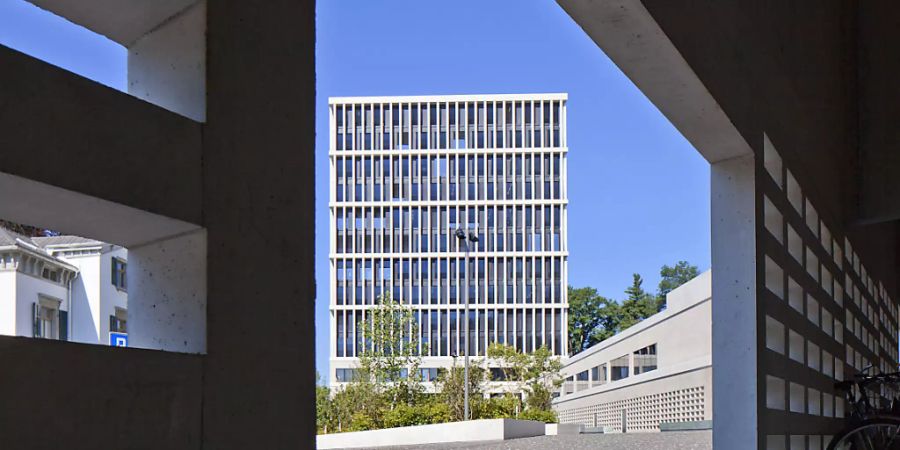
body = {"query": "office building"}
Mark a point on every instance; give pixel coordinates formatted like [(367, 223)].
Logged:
[(405, 174)]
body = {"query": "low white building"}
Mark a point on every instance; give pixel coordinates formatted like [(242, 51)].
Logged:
[(63, 287), (658, 371)]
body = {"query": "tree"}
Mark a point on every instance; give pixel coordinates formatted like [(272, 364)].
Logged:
[(452, 388), (391, 357), (638, 306), (26, 230), (671, 278), (592, 318), (324, 410), (357, 406), (536, 375)]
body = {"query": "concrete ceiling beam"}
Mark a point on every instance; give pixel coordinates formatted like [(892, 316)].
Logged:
[(629, 35), (155, 166), (123, 21)]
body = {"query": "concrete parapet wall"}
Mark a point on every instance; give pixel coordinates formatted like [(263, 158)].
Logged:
[(468, 431)]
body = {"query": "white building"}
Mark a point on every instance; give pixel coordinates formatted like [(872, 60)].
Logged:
[(405, 174), (62, 287), (657, 371)]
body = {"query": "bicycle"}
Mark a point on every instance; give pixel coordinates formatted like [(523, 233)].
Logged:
[(874, 420)]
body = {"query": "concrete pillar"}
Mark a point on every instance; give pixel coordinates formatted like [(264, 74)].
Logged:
[(734, 317)]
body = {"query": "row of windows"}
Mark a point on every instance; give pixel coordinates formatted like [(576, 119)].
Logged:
[(431, 229), (380, 242), (641, 361), (442, 332), (518, 293), (441, 125), (443, 217), (407, 178), (440, 270), (397, 192), (436, 280), (344, 375), (436, 167)]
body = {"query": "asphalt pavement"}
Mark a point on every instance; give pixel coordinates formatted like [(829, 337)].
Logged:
[(673, 440)]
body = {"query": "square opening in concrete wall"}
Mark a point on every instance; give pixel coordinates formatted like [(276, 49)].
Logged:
[(80, 269), (155, 51)]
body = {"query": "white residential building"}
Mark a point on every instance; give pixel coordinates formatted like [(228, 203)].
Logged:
[(405, 174), (62, 287), (658, 371)]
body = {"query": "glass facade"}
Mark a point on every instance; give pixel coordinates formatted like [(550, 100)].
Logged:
[(406, 172)]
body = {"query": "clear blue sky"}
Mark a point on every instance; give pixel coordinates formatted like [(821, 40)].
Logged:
[(638, 192)]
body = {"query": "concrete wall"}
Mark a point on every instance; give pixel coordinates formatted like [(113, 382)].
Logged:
[(252, 194), (167, 284), (469, 431), (803, 219)]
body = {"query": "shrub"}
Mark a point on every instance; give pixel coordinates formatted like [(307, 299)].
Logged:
[(360, 421), (504, 407), (541, 415)]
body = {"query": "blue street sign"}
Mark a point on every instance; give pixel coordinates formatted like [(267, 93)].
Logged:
[(118, 339)]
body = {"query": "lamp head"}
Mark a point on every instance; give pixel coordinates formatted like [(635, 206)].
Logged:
[(460, 234)]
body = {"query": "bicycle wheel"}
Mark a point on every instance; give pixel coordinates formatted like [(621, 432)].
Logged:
[(880, 433)]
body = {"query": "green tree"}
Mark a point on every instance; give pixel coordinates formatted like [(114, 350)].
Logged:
[(638, 306), (324, 406), (592, 318), (535, 375), (452, 388), (671, 277), (358, 405), (391, 358)]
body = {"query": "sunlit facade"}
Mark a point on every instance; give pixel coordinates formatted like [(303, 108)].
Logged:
[(405, 173)]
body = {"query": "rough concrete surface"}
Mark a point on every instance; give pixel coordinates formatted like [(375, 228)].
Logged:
[(681, 440)]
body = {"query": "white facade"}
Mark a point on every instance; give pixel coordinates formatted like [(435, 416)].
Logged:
[(657, 371), (61, 287), (405, 173)]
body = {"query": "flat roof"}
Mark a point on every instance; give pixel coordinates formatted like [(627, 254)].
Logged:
[(448, 98)]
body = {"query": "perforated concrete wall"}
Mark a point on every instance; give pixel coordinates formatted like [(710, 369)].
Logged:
[(822, 314), (643, 413)]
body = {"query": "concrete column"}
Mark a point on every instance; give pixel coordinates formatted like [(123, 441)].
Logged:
[(734, 311), (167, 294)]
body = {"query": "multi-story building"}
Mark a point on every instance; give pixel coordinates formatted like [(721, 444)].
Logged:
[(63, 287), (405, 173), (653, 376)]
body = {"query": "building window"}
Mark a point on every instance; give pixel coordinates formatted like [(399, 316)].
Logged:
[(581, 381), (48, 321), (598, 375), (118, 322), (645, 359), (344, 375), (119, 267), (619, 368), (50, 274), (569, 385), (428, 373)]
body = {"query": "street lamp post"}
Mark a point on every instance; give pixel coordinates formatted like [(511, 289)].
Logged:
[(461, 235)]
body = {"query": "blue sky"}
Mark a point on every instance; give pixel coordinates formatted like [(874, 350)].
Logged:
[(638, 191)]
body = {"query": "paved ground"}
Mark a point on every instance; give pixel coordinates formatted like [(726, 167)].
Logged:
[(680, 440)]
